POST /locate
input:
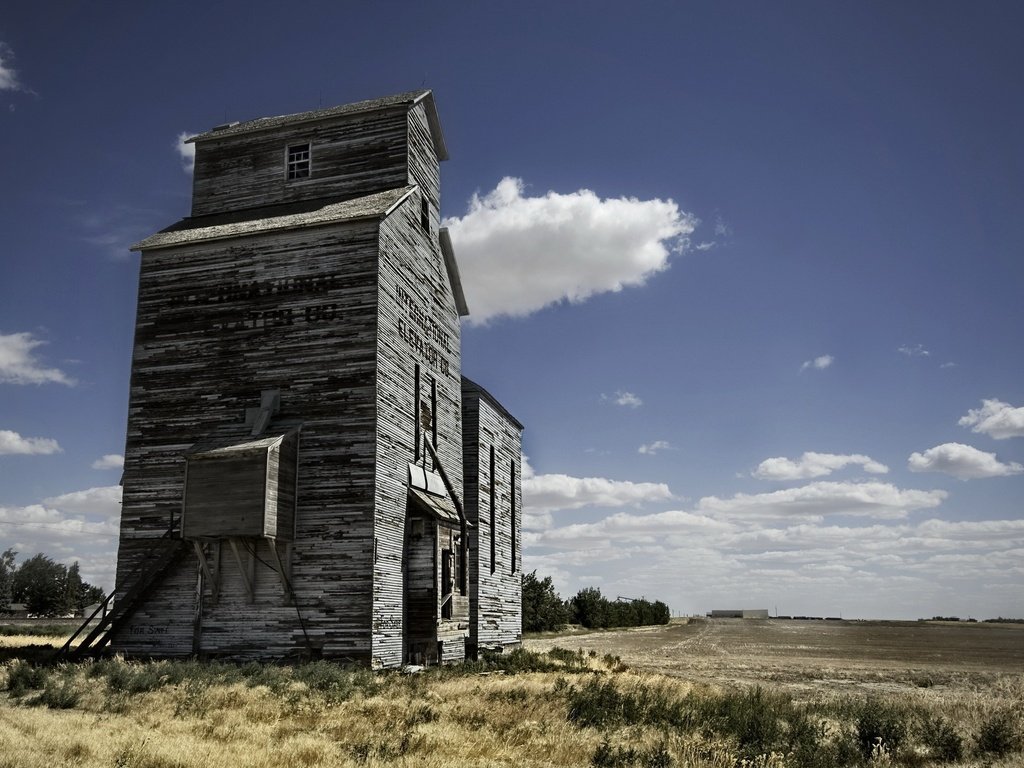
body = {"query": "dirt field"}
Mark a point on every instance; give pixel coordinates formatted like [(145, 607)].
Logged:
[(873, 656)]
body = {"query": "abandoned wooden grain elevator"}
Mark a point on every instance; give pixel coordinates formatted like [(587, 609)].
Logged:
[(306, 470)]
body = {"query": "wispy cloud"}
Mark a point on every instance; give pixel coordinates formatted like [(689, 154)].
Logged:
[(519, 254), (917, 350), (819, 363), (625, 399), (650, 449), (995, 419), (186, 151), (820, 499), (8, 74), (963, 461), (18, 363), (115, 228), (13, 443), (109, 461), (812, 464)]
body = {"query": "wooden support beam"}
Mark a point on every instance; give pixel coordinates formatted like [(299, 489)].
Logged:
[(247, 570), (280, 569)]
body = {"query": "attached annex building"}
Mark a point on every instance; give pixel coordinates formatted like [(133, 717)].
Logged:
[(306, 470)]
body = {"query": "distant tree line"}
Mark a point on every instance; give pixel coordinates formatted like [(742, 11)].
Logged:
[(45, 587), (545, 611)]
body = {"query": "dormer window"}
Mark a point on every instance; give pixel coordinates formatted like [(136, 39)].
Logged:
[(297, 162)]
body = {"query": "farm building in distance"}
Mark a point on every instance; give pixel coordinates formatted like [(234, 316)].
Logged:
[(306, 472), (746, 613)]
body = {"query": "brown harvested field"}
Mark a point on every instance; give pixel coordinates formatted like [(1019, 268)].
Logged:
[(870, 656)]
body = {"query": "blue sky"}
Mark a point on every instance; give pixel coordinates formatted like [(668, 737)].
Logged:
[(750, 273)]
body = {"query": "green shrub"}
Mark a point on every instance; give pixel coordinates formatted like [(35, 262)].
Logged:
[(943, 742), (58, 694), (607, 756), (881, 723), (600, 704), (23, 677), (755, 718), (998, 734)]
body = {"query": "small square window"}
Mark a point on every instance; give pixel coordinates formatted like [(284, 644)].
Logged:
[(297, 164)]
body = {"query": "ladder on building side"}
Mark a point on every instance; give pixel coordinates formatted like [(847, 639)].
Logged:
[(167, 551)]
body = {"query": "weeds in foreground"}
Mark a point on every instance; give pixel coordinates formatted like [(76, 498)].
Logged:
[(562, 707)]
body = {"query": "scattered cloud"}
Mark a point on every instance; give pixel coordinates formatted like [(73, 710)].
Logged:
[(995, 419), (8, 75), (109, 461), (519, 254), (625, 399), (650, 449), (114, 228), (917, 350), (186, 151), (812, 464), (948, 365), (962, 461), (18, 364), (820, 499), (13, 443), (819, 363)]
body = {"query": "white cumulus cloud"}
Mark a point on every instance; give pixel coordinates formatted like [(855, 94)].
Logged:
[(109, 461), (650, 449), (519, 254), (186, 151), (544, 494), (996, 419), (104, 501), (812, 464), (963, 461), (818, 364), (18, 364), (13, 443)]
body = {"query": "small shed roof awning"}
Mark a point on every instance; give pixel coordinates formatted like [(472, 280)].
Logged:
[(224, 445), (440, 507)]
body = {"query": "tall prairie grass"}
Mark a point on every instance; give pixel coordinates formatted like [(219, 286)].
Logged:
[(521, 709)]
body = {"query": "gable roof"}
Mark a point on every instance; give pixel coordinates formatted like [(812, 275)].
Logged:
[(408, 99)]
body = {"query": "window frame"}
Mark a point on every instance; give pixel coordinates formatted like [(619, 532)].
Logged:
[(292, 166)]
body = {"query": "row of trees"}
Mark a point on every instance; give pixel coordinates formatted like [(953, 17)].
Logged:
[(544, 610), (46, 587)]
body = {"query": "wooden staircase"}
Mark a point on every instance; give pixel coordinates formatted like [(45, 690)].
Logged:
[(166, 551)]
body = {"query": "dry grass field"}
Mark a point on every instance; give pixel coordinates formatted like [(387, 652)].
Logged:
[(724, 693)]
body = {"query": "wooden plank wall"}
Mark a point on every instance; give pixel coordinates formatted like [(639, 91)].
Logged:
[(495, 588), (203, 352), (352, 156), (418, 324)]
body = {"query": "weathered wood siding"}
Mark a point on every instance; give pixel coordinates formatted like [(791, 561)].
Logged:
[(495, 583), (352, 156), (338, 315), (418, 325), (217, 324)]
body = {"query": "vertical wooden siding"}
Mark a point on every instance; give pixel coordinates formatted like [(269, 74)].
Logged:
[(495, 597)]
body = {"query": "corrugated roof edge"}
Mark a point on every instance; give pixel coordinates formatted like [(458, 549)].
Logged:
[(376, 206), (452, 267), (410, 98), (469, 384)]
